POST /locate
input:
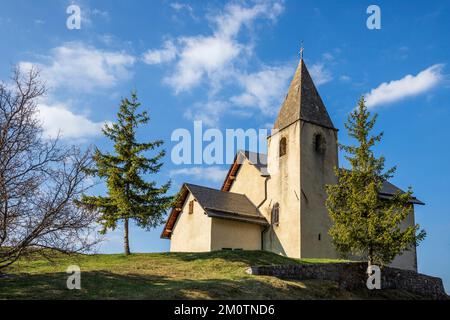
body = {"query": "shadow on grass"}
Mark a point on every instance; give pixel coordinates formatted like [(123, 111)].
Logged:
[(107, 285)]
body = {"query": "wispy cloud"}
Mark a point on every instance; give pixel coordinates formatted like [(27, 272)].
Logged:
[(201, 56), (220, 59), (178, 6), (183, 8), (264, 89), (211, 56), (71, 68), (57, 119), (408, 86), (345, 78), (208, 112), (77, 66), (320, 73), (208, 55), (213, 174), (156, 56), (89, 15)]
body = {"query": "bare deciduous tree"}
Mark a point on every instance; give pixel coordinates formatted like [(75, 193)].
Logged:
[(40, 180)]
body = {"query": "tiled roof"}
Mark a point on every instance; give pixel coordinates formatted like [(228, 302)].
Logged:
[(226, 202), (217, 204)]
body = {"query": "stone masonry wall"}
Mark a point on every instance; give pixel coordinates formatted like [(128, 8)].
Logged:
[(353, 276)]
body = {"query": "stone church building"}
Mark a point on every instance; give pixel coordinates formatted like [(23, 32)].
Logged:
[(274, 202)]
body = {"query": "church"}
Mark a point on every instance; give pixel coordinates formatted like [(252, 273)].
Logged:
[(274, 202)]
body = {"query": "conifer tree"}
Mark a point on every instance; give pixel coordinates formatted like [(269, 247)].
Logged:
[(365, 224), (129, 195)]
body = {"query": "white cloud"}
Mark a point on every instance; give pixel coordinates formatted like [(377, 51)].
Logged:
[(166, 54), (327, 56), (216, 60), (264, 89), (320, 74), (213, 56), (201, 56), (77, 66), (235, 16), (177, 6), (209, 112), (408, 86), (88, 16), (57, 119), (183, 8), (214, 173)]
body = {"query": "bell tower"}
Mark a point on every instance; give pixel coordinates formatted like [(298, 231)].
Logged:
[(303, 153)]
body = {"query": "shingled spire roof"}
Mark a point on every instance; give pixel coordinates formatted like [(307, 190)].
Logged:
[(303, 102)]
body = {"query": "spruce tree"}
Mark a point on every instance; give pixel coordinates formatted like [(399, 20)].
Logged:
[(363, 223), (129, 195)]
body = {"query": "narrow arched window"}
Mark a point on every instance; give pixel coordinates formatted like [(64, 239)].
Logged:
[(319, 143), (276, 214), (191, 207), (283, 147)]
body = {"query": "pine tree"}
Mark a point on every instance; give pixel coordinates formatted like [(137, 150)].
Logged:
[(363, 223), (129, 196)]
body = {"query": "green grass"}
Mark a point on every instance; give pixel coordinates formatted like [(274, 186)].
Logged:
[(215, 275)]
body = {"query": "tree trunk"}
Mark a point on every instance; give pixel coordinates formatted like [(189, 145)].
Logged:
[(126, 242)]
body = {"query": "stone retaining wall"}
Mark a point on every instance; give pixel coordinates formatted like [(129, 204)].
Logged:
[(353, 276)]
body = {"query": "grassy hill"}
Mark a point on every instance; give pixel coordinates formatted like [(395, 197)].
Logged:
[(215, 275)]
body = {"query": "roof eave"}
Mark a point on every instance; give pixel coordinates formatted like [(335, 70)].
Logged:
[(413, 200), (173, 216), (237, 217)]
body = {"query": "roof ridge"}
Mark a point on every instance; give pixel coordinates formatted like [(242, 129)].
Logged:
[(204, 187)]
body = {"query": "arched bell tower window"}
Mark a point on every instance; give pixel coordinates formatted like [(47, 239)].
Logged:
[(319, 143), (283, 146), (276, 214)]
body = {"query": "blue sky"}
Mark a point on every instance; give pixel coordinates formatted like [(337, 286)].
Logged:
[(229, 64)]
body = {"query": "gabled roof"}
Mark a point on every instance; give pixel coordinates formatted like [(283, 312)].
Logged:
[(258, 160), (221, 201), (217, 204), (303, 102), (387, 190)]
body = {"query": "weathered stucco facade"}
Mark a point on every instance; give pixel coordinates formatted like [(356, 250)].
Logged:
[(199, 227), (192, 232), (284, 189), (229, 234), (274, 202), (407, 260)]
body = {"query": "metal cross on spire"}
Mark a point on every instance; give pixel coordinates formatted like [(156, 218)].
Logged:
[(301, 50)]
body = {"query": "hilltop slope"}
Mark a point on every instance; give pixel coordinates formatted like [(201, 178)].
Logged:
[(215, 275)]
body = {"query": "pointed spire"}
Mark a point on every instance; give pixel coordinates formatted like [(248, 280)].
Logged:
[(303, 102)]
